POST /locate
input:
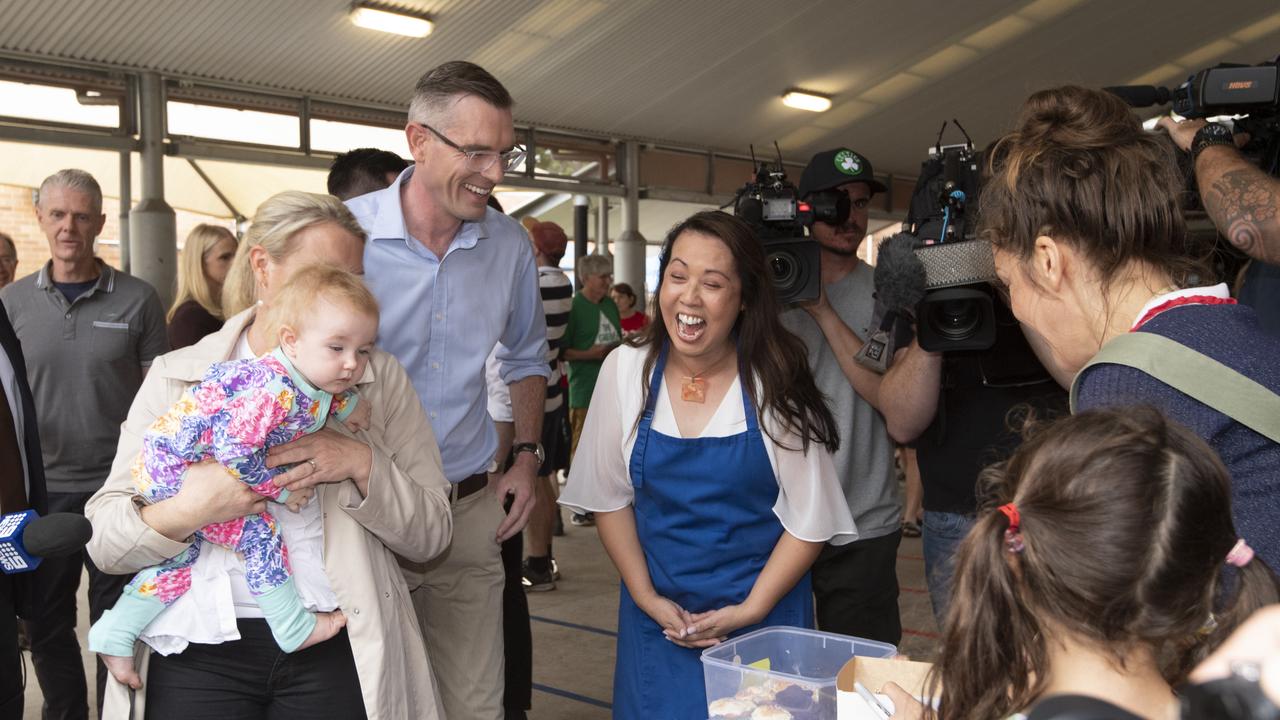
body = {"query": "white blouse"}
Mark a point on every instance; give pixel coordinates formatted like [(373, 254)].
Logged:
[(219, 594), (810, 503)]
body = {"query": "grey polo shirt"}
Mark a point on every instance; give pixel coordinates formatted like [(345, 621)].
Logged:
[(85, 362), (864, 461)]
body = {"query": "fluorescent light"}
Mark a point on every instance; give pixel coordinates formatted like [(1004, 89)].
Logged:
[(804, 100), (390, 21)]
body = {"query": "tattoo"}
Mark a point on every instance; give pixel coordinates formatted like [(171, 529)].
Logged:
[(1242, 207)]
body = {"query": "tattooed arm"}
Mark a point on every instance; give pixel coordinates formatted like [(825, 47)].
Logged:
[(1242, 201)]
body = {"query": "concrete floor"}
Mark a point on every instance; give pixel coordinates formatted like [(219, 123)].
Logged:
[(574, 627)]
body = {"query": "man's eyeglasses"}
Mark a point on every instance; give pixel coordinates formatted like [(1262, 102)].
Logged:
[(480, 160)]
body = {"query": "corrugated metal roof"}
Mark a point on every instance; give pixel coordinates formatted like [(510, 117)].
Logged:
[(699, 73)]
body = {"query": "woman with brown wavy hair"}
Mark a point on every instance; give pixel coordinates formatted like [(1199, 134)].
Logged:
[(1084, 211), (1104, 566), (706, 459)]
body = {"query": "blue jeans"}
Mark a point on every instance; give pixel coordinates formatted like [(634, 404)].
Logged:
[(942, 533)]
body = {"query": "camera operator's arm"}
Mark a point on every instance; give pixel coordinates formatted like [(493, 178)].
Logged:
[(907, 395), (909, 392), (1242, 201), (845, 344)]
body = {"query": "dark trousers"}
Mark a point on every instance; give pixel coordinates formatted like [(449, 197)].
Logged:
[(856, 587), (11, 670), (253, 679), (55, 651), (517, 637)]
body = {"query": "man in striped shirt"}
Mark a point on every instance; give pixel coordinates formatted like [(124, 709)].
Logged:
[(549, 241)]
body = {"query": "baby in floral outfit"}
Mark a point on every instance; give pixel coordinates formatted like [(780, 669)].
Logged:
[(325, 322)]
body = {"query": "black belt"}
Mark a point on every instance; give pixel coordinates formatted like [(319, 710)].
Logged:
[(471, 485)]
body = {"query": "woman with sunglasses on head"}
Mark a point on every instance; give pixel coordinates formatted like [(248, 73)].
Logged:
[(706, 459)]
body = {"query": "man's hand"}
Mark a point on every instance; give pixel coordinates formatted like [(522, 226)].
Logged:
[(324, 456), (518, 483), (819, 307), (360, 417), (1182, 133)]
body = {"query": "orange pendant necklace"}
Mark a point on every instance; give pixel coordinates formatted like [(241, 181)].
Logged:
[(693, 386), (694, 389)]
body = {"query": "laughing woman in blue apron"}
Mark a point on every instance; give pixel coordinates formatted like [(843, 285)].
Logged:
[(706, 458)]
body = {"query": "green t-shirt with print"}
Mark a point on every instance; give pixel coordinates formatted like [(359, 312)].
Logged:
[(589, 324)]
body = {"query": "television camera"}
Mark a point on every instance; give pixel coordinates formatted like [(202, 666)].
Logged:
[(771, 205)]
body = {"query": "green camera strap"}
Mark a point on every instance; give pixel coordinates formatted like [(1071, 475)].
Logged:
[(1194, 374)]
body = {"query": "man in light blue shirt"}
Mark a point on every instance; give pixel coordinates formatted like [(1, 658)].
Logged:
[(454, 279)]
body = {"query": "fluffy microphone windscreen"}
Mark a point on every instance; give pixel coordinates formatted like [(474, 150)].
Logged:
[(56, 535), (900, 276)]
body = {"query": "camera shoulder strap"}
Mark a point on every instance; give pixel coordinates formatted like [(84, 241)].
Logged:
[(1195, 374)]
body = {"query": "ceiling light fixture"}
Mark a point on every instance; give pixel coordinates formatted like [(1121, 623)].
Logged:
[(374, 16), (805, 100)]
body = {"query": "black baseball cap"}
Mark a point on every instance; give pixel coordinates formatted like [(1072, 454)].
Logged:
[(833, 168)]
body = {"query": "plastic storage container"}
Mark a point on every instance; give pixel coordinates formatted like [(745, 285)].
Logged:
[(790, 668)]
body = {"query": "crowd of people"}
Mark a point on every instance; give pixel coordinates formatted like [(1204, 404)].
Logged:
[(321, 483)]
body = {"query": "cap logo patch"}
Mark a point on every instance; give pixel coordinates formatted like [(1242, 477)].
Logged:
[(848, 162)]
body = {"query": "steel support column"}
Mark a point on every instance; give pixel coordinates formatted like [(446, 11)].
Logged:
[(152, 229), (126, 202), (602, 226), (581, 207), (629, 252)]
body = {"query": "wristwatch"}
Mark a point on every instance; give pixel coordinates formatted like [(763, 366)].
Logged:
[(1211, 134), (535, 448)]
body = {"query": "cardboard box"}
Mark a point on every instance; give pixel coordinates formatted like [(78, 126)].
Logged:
[(873, 673)]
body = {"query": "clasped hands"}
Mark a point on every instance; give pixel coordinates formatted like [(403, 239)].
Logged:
[(698, 630)]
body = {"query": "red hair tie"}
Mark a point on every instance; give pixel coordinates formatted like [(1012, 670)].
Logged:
[(1011, 511), (1012, 535)]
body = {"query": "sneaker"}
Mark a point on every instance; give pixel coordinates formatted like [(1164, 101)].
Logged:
[(583, 519), (534, 581), (555, 569)]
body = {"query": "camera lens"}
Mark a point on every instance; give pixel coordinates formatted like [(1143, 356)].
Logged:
[(955, 319), (785, 269)]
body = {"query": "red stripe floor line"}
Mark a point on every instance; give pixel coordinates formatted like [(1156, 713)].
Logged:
[(911, 557), (921, 633), (912, 589)]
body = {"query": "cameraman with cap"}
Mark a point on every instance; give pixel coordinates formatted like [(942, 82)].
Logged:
[(1244, 204), (856, 585)]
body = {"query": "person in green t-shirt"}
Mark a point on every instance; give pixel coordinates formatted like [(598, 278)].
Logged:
[(594, 329)]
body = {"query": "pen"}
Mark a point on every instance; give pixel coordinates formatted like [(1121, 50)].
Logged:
[(871, 700)]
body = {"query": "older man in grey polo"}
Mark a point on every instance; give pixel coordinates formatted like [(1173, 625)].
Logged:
[(89, 333)]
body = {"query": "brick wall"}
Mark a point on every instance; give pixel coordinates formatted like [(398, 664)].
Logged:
[(18, 221)]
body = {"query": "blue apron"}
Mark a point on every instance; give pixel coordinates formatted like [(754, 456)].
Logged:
[(704, 516)]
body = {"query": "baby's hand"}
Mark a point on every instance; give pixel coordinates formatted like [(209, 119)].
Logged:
[(297, 500), (359, 418)]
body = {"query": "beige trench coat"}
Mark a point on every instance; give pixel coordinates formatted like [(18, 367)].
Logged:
[(405, 520)]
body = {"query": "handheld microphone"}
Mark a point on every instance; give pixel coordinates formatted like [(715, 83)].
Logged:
[(900, 278), (26, 538)]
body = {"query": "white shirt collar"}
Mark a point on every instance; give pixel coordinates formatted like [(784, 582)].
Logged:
[(1218, 291)]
